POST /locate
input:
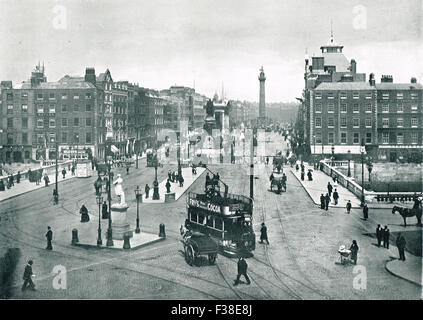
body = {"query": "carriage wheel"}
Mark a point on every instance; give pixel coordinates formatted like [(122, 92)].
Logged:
[(189, 255), (212, 258)]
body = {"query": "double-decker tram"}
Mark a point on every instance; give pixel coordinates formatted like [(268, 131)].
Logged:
[(225, 218)]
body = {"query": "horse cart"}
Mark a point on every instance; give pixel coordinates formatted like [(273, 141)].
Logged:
[(198, 244), (277, 180)]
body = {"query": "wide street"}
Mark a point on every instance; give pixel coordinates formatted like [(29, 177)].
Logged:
[(300, 262)]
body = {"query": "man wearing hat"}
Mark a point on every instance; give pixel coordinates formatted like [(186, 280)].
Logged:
[(27, 277), (263, 233), (365, 212), (242, 270), (49, 236)]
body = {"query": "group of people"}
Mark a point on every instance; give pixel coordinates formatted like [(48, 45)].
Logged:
[(325, 199), (174, 177), (10, 181)]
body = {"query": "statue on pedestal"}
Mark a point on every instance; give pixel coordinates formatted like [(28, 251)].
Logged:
[(119, 190)]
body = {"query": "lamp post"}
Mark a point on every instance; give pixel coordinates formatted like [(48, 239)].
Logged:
[(349, 161), (370, 167), (156, 195), (108, 161), (99, 199), (333, 155), (362, 149), (138, 194), (77, 146)]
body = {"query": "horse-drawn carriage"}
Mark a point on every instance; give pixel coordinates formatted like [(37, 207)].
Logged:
[(406, 212), (278, 161), (197, 244), (278, 180)]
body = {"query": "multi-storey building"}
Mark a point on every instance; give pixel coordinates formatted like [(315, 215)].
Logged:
[(120, 116)]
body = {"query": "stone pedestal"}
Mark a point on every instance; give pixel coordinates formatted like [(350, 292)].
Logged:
[(120, 226), (170, 197)]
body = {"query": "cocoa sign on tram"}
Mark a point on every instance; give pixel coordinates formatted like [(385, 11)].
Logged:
[(204, 205)]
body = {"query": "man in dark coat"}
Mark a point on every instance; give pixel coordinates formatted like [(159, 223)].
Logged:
[(309, 175), (354, 251), (104, 211), (329, 189), (73, 170), (27, 277), (322, 202), (335, 197), (173, 176), (386, 235), (46, 180), (379, 235), (147, 190), (169, 175), (181, 181), (168, 186), (365, 212), (327, 201), (64, 173), (49, 236), (302, 175), (401, 243), (84, 214), (2, 188), (348, 206), (242, 270), (267, 160), (263, 233), (18, 177)]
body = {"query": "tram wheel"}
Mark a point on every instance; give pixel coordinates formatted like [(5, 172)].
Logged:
[(189, 255), (212, 258)]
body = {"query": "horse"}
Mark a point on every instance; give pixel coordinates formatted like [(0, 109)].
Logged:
[(407, 213)]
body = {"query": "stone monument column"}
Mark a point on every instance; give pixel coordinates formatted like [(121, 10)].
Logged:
[(120, 225)]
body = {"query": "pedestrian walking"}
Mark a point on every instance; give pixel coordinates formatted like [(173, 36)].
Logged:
[(64, 173), (169, 175), (181, 181), (263, 233), (310, 175), (348, 206), (242, 271), (267, 160), (73, 170), (322, 202), (127, 170), (46, 180), (354, 251), (327, 201), (27, 277), (335, 197), (104, 211), (2, 187), (147, 191), (84, 214), (69, 167), (330, 189), (386, 235), (168, 186), (379, 235), (401, 243), (18, 177), (173, 176), (49, 236), (302, 175), (365, 212)]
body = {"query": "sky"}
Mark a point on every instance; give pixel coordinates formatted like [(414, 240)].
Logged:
[(208, 43)]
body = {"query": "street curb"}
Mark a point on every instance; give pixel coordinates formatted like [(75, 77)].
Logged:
[(401, 277), (318, 204), (89, 246)]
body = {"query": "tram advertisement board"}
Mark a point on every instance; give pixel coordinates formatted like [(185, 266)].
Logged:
[(204, 205)]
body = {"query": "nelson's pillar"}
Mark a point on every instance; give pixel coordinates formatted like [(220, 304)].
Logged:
[(262, 101)]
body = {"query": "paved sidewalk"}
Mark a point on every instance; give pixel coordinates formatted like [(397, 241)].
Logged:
[(319, 185), (189, 179), (410, 269)]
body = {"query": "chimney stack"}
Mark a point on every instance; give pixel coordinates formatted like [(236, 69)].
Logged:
[(353, 66), (413, 80), (372, 80), (90, 75)]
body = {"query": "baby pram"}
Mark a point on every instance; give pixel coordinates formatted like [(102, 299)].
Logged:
[(344, 255)]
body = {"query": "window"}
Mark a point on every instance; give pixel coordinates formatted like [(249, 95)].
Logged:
[(24, 95), (76, 122), (400, 107), (343, 121), (318, 122), (356, 108), (39, 96), (10, 123), (88, 122), (385, 96), (24, 108), (369, 107), (330, 95), (385, 123), (318, 107), (356, 122), (76, 97), (368, 95), (52, 137), (368, 122), (10, 109), (343, 107), (24, 123), (385, 108), (330, 122), (413, 107), (400, 138), (88, 107), (64, 108), (10, 138), (385, 137), (88, 95), (356, 138), (76, 137), (24, 138), (64, 96), (318, 95), (318, 137), (331, 137), (343, 95), (331, 107), (343, 137), (52, 97), (40, 109), (88, 137), (40, 123), (64, 137), (52, 123), (356, 95), (9, 96), (414, 137), (414, 122), (414, 96), (368, 137), (52, 108), (64, 122), (400, 122), (75, 108), (400, 96)]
